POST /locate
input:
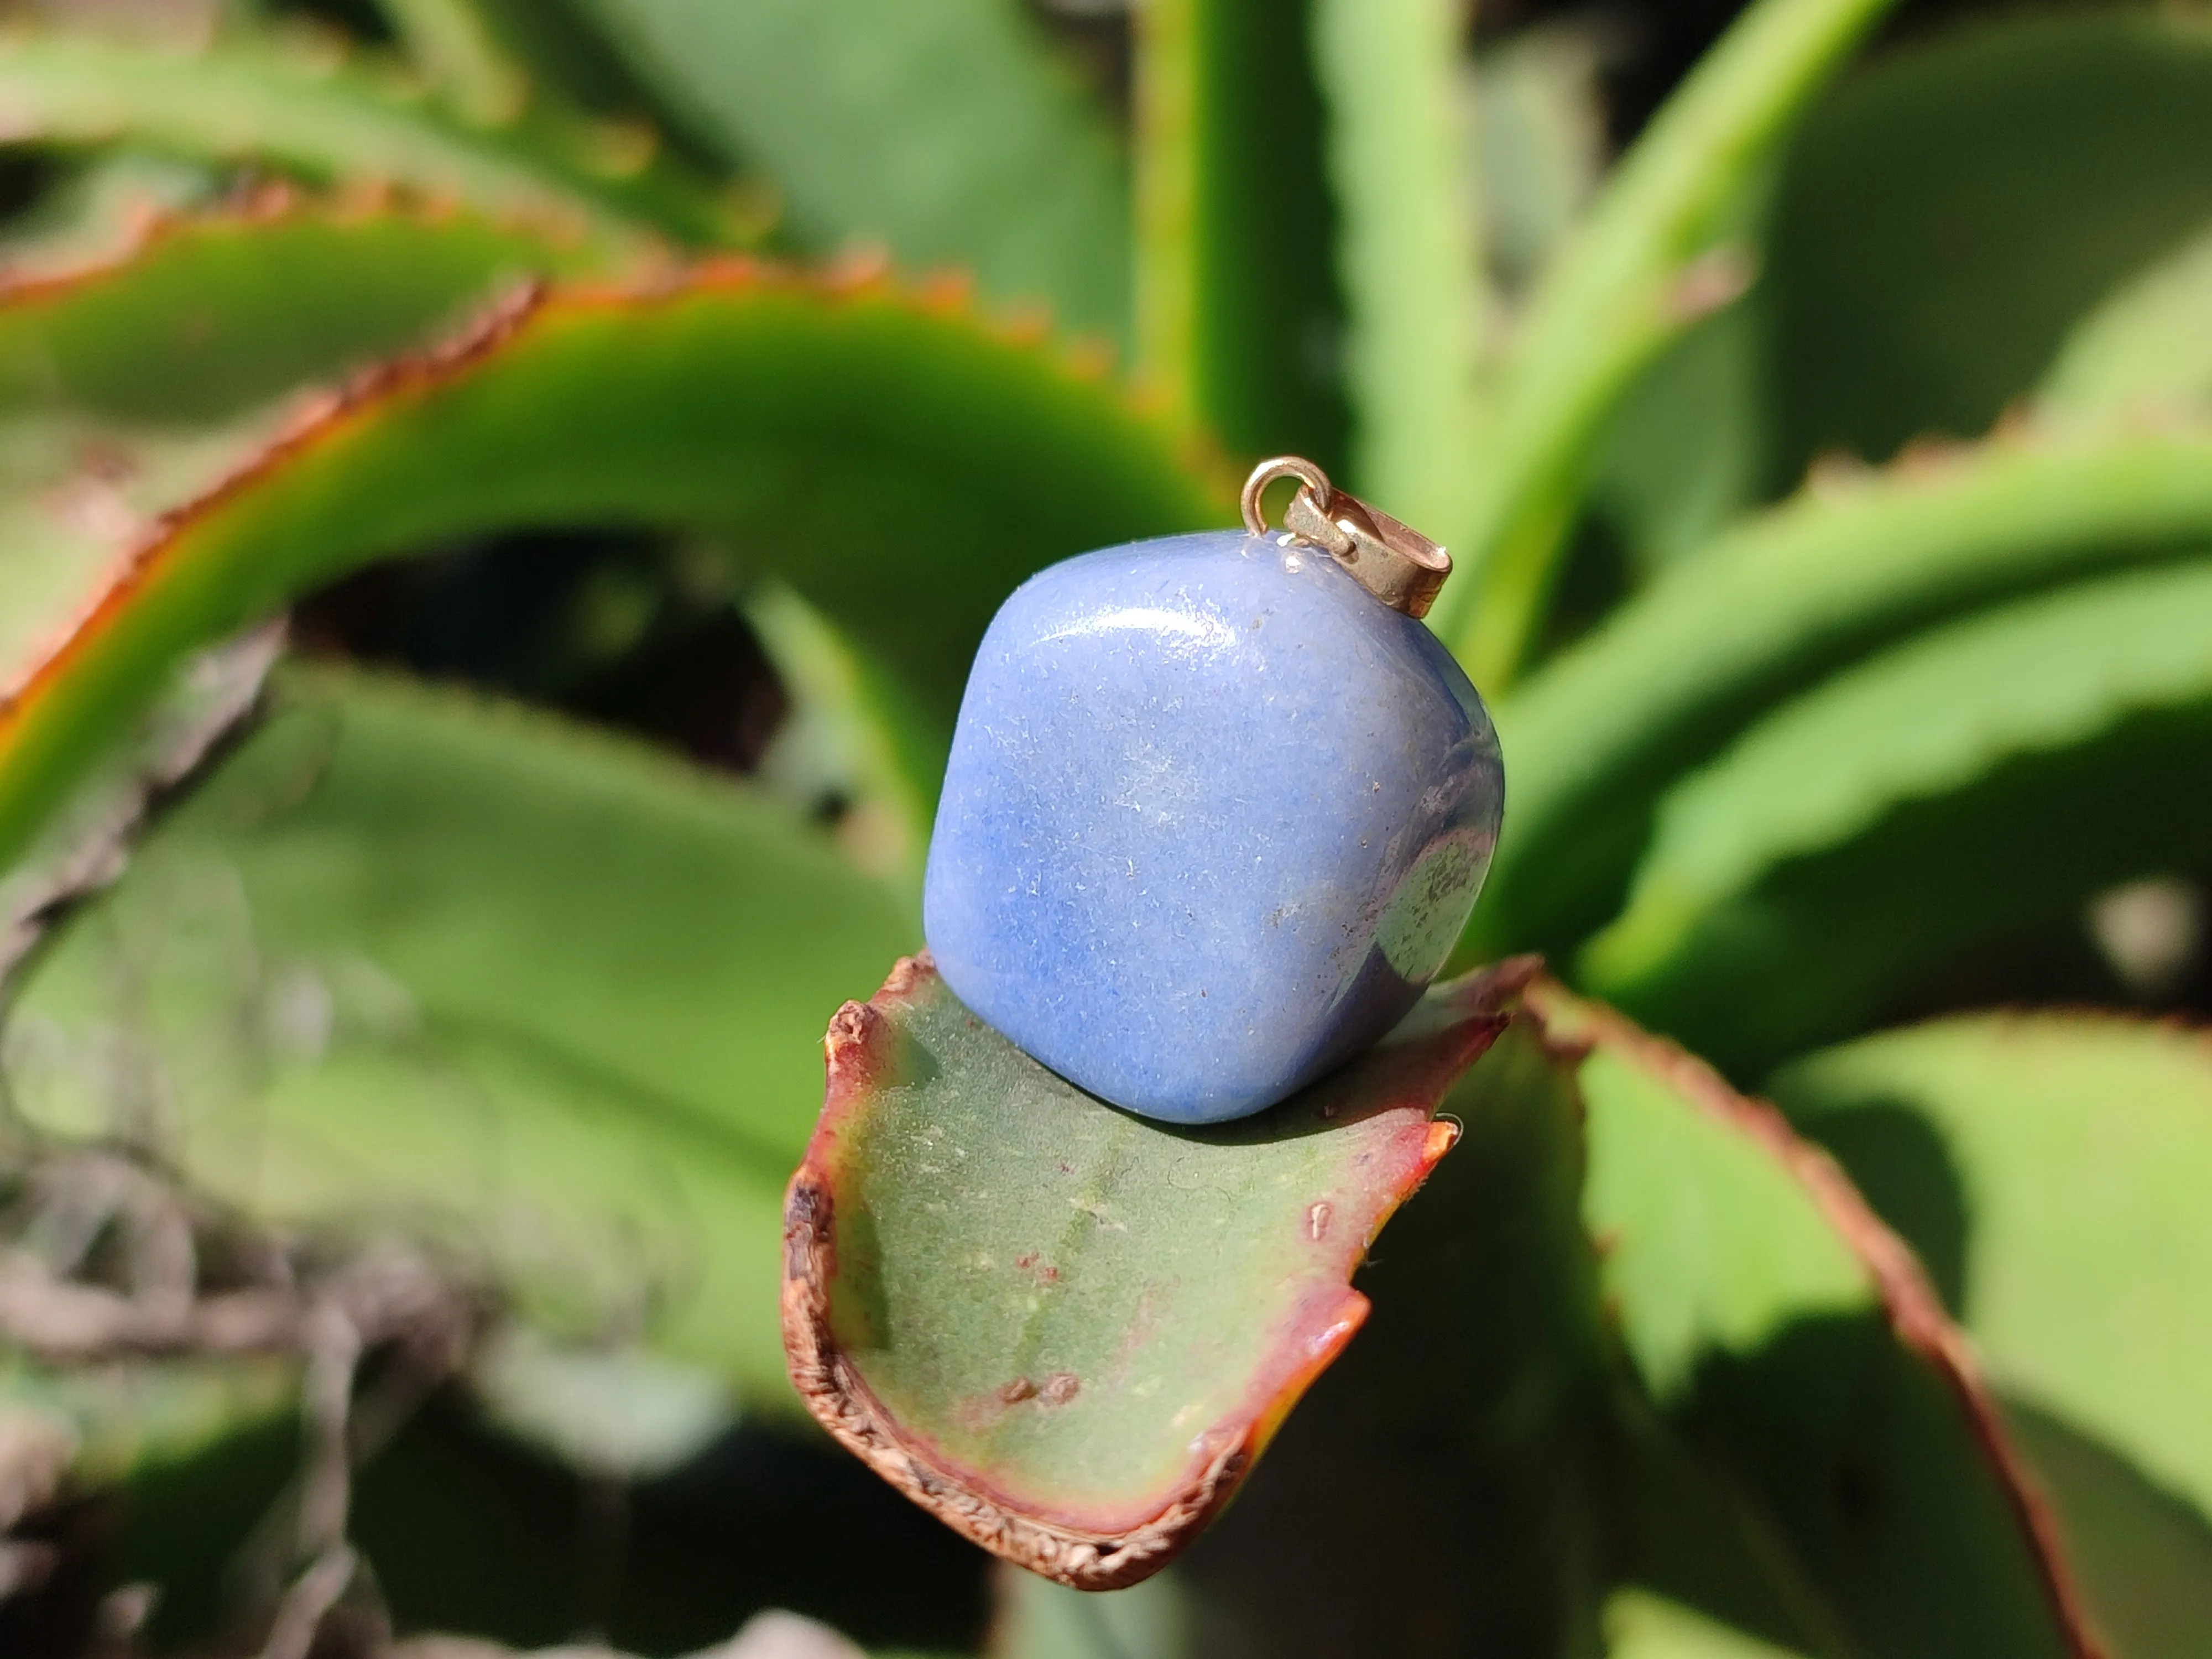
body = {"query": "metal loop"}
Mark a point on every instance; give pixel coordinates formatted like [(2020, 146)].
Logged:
[(1282, 466), (1395, 563)]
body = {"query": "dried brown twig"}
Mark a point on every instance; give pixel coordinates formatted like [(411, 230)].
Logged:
[(103, 1259)]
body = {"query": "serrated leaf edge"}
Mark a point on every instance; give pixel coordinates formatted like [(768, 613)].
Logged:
[(840, 1400), (1915, 1312), (271, 204), (319, 416)]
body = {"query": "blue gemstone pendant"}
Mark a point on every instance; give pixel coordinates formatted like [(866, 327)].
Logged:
[(1216, 810)]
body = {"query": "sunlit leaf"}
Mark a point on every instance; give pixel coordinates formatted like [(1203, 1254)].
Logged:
[(135, 382), (1850, 1484), (1972, 784), (545, 1000), (1641, 1625), (946, 132), (212, 317), (1390, 72), (2145, 350), (1626, 282), (328, 122), (132, 383), (1950, 214), (1238, 313), (456, 44), (1592, 740), (903, 465), (2058, 1163), (1460, 1449), (1065, 1330), (82, 847)]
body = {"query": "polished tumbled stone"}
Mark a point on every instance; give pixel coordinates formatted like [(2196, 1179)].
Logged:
[(1214, 816)]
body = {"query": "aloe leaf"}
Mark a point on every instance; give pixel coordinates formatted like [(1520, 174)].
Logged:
[(454, 42), (903, 466), (1957, 790), (1040, 1619), (1641, 1625), (848, 745), (1790, 1343), (1627, 281), (1391, 72), (329, 122), (557, 43), (1667, 487), (947, 132), (1459, 1446), (82, 849), (1948, 216), (132, 384), (210, 316), (2145, 352), (2144, 1555), (1593, 741), (1238, 313), (2058, 1160), (1540, 141), (1065, 1330), (546, 998)]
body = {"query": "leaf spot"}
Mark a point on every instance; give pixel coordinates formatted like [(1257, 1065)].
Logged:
[(1060, 1387), (1317, 1221), (1013, 1393)]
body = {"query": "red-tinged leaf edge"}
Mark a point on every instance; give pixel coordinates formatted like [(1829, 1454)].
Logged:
[(1056, 1545), (35, 276), (318, 417), (86, 850), (1575, 1026)]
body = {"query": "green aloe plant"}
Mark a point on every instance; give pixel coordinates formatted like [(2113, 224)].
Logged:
[(1830, 480)]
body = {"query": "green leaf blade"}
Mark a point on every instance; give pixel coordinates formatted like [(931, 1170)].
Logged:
[(947, 132), (1234, 332), (212, 317), (1622, 287), (328, 123), (1947, 215), (1830, 1430), (128, 385), (1861, 837), (2078, 1142), (1595, 739), (1065, 1330), (902, 466), (1405, 249), (542, 1000), (2059, 1156), (2145, 350)]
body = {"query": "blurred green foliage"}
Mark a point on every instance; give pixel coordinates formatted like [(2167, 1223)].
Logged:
[(1826, 449)]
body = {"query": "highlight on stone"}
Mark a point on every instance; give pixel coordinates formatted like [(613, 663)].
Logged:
[(1214, 816)]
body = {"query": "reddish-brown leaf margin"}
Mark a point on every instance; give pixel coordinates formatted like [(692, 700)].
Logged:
[(321, 415), (1915, 1312), (967, 1500), (30, 278)]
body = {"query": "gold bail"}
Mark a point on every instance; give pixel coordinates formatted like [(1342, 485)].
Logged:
[(1398, 565)]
